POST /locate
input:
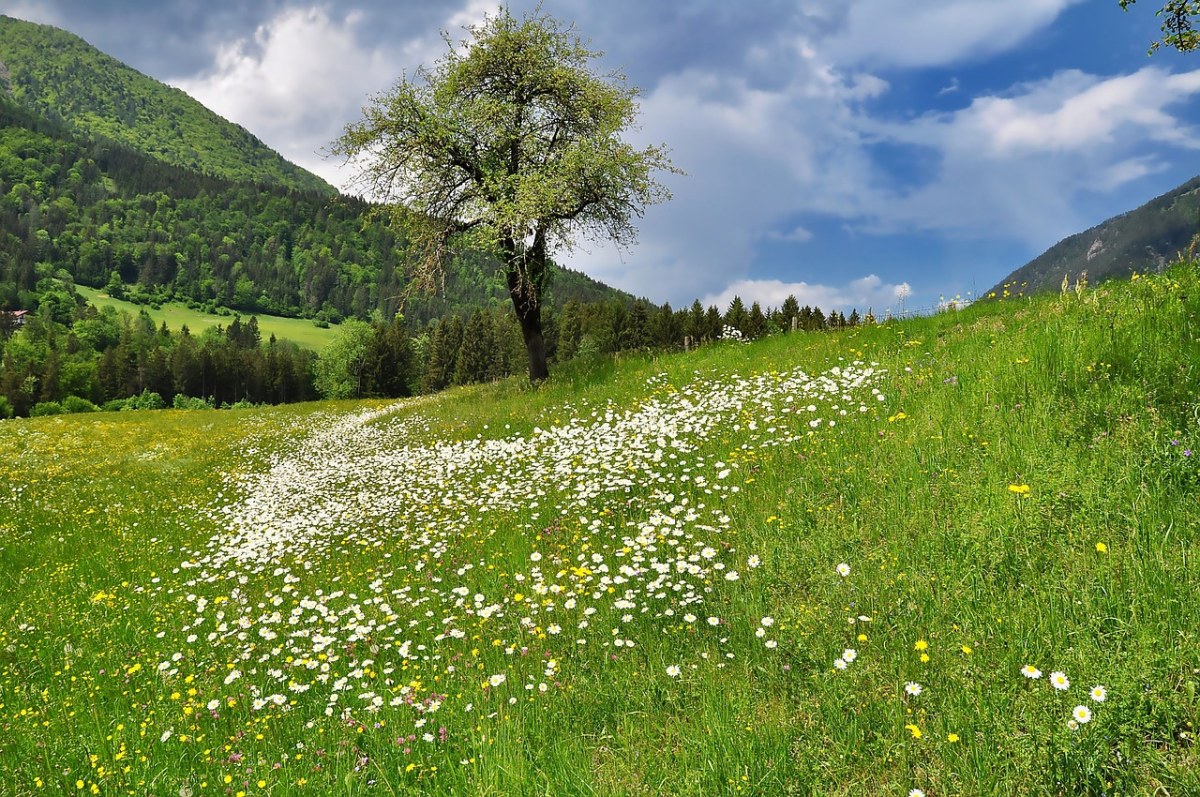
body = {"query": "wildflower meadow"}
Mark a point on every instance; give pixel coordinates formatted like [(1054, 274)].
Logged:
[(948, 555)]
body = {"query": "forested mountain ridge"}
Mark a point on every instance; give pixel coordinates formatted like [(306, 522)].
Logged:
[(112, 217), (62, 77), (1143, 240)]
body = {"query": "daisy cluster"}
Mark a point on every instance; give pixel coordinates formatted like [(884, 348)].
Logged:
[(1081, 714), (377, 556)]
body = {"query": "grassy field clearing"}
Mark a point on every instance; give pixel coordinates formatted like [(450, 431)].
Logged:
[(953, 554), (300, 331)]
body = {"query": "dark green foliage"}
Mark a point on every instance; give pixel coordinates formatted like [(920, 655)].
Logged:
[(121, 361), (634, 332), (666, 328), (6, 410), (74, 404), (44, 408), (389, 367), (756, 322), (446, 340), (789, 310), (182, 402), (476, 355), (148, 233), (146, 400)]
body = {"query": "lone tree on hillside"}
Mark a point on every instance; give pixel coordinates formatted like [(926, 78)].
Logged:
[(512, 143), (1179, 21)]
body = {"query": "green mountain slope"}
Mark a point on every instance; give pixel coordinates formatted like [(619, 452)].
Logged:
[(98, 210), (66, 79), (1141, 240)]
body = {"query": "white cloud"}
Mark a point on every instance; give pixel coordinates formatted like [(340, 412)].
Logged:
[(752, 157), (901, 33), (301, 78), (306, 73), (1014, 167), (869, 292), (1073, 111)]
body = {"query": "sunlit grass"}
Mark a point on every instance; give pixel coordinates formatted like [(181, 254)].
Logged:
[(176, 315), (514, 590)]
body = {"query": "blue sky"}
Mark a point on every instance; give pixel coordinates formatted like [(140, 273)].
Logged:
[(838, 150)]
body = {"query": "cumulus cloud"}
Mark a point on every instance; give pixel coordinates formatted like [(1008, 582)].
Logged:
[(752, 156), (1015, 166), (306, 72), (760, 152), (300, 78), (1073, 111), (901, 33), (869, 292)]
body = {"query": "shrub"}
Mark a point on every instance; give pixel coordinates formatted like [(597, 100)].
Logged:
[(43, 408), (73, 404), (182, 402), (148, 400), (115, 405), (6, 410)]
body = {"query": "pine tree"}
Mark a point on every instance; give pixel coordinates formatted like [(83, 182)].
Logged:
[(736, 316), (443, 355), (477, 351), (756, 322), (788, 311)]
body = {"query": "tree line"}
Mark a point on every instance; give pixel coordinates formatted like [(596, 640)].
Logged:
[(71, 356)]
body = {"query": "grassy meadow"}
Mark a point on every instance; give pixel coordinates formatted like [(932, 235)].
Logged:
[(952, 555), (301, 331)]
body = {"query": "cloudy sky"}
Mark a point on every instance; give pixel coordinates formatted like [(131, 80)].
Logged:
[(845, 151)]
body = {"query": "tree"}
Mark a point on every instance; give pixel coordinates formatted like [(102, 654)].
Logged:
[(512, 143), (342, 364), (1179, 20)]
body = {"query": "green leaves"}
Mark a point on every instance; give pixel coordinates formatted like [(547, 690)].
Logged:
[(514, 135), (1178, 24)]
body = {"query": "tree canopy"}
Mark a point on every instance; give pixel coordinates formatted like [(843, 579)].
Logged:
[(511, 142), (1179, 19)]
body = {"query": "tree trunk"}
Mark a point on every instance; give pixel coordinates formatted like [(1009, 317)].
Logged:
[(524, 273)]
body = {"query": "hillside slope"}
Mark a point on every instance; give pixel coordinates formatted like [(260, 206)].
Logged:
[(949, 555), (1142, 240), (95, 210), (64, 78)]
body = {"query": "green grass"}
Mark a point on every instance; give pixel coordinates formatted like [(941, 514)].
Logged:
[(300, 331), (1021, 496)]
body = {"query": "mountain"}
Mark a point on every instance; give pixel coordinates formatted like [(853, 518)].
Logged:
[(106, 215), (1141, 240), (65, 79)]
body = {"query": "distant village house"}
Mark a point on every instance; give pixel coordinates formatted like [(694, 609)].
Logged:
[(13, 318)]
